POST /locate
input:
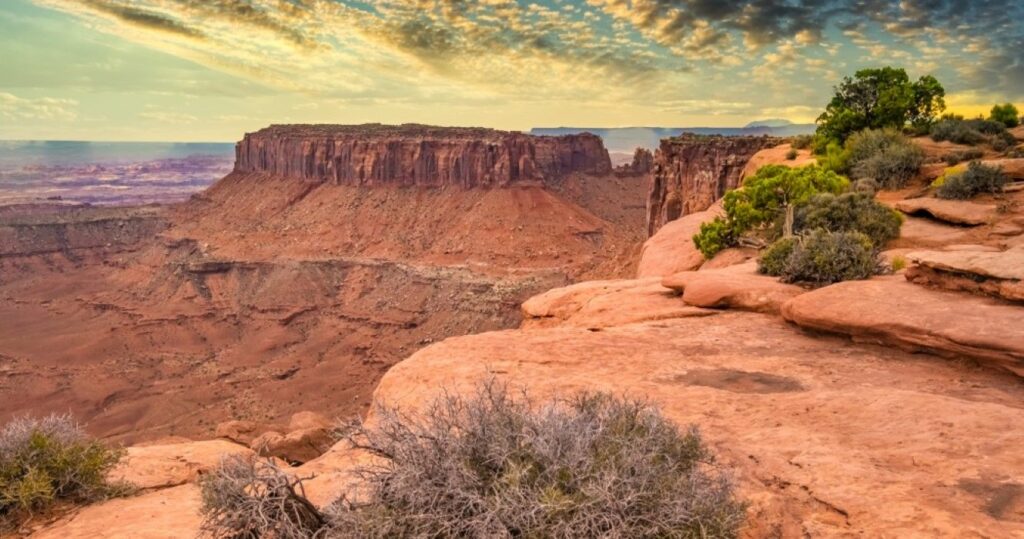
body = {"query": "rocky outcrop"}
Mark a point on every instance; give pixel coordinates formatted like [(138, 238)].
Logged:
[(691, 172), (994, 273), (643, 163), (671, 249), (959, 212), (889, 310), (738, 287), (419, 155)]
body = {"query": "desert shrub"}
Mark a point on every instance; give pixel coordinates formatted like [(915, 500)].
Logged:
[(247, 497), (51, 460), (865, 186), (977, 179), (773, 259), (497, 465), (1006, 114), (792, 154), (898, 263), (954, 130), (823, 257), (849, 212), (970, 154), (802, 142), (884, 155), (762, 199)]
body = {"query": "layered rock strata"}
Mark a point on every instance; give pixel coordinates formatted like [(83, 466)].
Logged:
[(691, 172), (418, 155)]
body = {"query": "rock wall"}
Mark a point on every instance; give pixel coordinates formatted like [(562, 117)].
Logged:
[(643, 163), (691, 172), (418, 155)]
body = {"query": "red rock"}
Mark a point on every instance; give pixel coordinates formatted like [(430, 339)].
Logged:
[(642, 164), (169, 513), (889, 310), (961, 212), (597, 304), (242, 432), (159, 466), (308, 420), (999, 273), (671, 249), (692, 172), (729, 257), (418, 155), (736, 287), (776, 155), (298, 446)]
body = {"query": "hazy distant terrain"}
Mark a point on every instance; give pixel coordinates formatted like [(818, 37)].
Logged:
[(627, 139), (108, 173)]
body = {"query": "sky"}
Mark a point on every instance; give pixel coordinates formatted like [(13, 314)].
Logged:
[(211, 70)]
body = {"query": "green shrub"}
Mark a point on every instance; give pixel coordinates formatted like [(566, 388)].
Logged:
[(976, 131), (498, 465), (762, 199), (977, 179), (898, 263), (250, 497), (849, 212), (823, 257), (50, 460), (1006, 114), (970, 154), (883, 155), (792, 154), (773, 259), (802, 142)]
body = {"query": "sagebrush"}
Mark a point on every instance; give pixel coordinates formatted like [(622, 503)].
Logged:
[(884, 155), (48, 461), (822, 257), (498, 465), (977, 179), (849, 212)]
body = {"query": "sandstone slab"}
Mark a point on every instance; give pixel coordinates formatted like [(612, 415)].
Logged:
[(736, 287), (597, 304), (818, 430), (159, 466), (892, 311), (671, 249), (961, 212), (996, 273), (169, 513)]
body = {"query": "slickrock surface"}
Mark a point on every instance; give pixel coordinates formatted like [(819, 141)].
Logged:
[(776, 155), (169, 465), (828, 438), (419, 155), (597, 304), (890, 310), (691, 172), (737, 287), (171, 513), (671, 249), (961, 212)]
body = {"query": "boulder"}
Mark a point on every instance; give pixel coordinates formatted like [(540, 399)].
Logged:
[(297, 446), (736, 287), (243, 432), (960, 212), (730, 257), (159, 466), (923, 232), (309, 420), (890, 310), (598, 304), (671, 249)]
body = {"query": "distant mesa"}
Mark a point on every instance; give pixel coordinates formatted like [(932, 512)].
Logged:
[(420, 155), (627, 139)]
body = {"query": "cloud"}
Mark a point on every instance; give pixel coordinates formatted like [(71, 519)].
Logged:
[(44, 108), (164, 117)]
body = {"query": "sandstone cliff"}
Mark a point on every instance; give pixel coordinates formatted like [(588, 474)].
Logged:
[(691, 172), (418, 155)]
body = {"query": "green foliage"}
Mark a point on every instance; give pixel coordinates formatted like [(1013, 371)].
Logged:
[(956, 129), (762, 199), (43, 461), (884, 155), (849, 212), (879, 98), (970, 154), (1006, 114), (498, 465), (822, 257), (977, 179), (802, 142), (898, 263), (792, 154)]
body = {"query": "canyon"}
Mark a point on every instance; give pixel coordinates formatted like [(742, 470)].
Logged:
[(328, 254), (316, 277)]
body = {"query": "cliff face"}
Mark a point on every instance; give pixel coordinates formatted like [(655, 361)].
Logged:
[(692, 172), (417, 155)]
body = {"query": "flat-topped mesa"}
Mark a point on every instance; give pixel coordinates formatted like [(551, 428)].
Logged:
[(420, 155), (691, 172)]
